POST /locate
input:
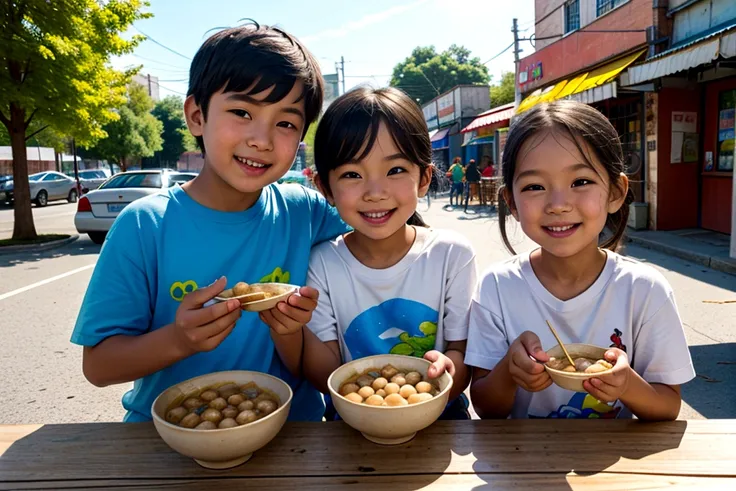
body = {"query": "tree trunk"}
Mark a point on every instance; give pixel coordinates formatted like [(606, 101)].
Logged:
[(123, 164), (23, 227)]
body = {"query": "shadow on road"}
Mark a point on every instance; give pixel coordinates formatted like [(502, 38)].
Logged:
[(693, 270), (81, 247), (713, 391)]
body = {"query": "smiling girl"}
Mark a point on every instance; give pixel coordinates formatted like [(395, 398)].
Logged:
[(564, 182), (392, 285)]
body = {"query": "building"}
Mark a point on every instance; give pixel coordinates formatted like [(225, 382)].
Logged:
[(665, 75), (40, 159), (150, 83), (447, 114), (486, 134)]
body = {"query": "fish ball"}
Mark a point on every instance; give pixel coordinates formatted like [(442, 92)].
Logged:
[(381, 392), (176, 415), (374, 400), (213, 415), (424, 387), (395, 400), (379, 383), (228, 390), (413, 378), (190, 420), (206, 425), (407, 390), (581, 364), (354, 397), (246, 405), (420, 397), (399, 379), (392, 388), (388, 371), (218, 404), (227, 423), (246, 417), (230, 412), (266, 407), (235, 399), (366, 392), (241, 288), (193, 403), (208, 395), (348, 388)]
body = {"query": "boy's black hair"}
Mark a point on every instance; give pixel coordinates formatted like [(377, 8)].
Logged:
[(255, 58), (595, 138), (349, 128)]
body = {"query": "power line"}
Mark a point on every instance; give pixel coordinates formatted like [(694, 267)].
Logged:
[(159, 62), (499, 54), (162, 45)]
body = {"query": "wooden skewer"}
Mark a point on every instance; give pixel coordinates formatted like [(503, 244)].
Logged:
[(569, 358)]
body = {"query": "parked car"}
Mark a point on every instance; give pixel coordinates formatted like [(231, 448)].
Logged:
[(91, 179), (45, 187), (98, 209)]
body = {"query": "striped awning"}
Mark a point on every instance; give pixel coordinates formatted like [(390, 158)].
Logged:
[(495, 115)]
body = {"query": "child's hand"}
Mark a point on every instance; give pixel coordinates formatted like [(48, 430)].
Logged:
[(440, 364), (288, 317), (200, 328), (528, 373), (611, 386)]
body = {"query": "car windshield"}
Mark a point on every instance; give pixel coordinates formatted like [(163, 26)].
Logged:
[(179, 179), (35, 177), (136, 180)]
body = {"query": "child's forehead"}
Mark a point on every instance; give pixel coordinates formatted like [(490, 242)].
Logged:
[(565, 148), (268, 96)]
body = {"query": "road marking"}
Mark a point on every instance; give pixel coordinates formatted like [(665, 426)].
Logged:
[(45, 282)]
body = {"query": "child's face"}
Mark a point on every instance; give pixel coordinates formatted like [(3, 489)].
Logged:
[(561, 202), (377, 195), (249, 144)]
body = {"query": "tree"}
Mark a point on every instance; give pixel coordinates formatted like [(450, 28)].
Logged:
[(425, 74), (170, 111), (55, 72), (503, 92), (135, 134), (309, 140)]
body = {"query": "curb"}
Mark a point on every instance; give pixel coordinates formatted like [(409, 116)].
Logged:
[(37, 247), (718, 264)]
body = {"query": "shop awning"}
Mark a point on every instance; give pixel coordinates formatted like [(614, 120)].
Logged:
[(432, 133), (495, 115), (588, 81), (440, 139), (691, 55), (479, 140)]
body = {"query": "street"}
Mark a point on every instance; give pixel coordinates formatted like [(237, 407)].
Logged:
[(40, 295), (56, 218)]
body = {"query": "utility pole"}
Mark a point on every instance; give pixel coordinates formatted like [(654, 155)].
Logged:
[(517, 92), (342, 70)]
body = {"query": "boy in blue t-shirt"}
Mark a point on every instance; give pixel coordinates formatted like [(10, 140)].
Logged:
[(253, 92)]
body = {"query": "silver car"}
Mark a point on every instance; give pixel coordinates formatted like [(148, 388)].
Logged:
[(98, 209), (91, 179), (45, 187)]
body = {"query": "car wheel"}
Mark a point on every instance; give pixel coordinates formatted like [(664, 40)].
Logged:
[(72, 198), (42, 198), (97, 237)]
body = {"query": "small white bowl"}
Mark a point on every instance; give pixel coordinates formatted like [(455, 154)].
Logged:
[(574, 380), (388, 425), (284, 292), (222, 449)]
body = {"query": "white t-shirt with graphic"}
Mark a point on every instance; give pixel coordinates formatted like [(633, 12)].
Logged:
[(415, 306), (630, 306)]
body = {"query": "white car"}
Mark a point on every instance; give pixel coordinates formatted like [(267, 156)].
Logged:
[(97, 210), (44, 187)]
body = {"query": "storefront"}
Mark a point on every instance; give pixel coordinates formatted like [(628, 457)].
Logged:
[(690, 133), (485, 136)]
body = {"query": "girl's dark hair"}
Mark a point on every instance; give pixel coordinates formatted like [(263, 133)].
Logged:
[(253, 57), (349, 128), (579, 121)]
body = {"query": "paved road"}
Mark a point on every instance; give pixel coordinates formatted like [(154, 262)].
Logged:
[(57, 217), (40, 295)]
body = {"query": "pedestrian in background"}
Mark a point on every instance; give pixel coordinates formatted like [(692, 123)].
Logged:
[(472, 182), (456, 172)]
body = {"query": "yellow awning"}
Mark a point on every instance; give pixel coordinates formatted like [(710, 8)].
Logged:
[(581, 83)]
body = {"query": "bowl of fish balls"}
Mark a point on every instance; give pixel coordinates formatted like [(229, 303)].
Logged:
[(388, 398), (221, 418), (589, 362)]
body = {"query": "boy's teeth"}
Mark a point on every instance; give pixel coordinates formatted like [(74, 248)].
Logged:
[(379, 214), (250, 162), (561, 229)]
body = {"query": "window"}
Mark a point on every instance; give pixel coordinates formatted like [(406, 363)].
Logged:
[(35, 177), (603, 6), (137, 180), (726, 137), (52, 177), (175, 179), (572, 16)]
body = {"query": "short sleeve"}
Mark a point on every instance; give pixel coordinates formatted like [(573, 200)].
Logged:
[(661, 354), (119, 298), (326, 221), (487, 339), (458, 297), (324, 322)]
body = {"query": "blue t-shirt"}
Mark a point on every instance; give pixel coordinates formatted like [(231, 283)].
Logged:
[(164, 246)]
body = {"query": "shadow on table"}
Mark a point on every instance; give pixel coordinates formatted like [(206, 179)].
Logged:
[(713, 391), (523, 460)]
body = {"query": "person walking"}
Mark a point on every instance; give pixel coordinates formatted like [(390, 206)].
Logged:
[(472, 181), (457, 174)]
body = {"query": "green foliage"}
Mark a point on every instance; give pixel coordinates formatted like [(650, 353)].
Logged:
[(503, 92), (309, 140), (170, 111), (426, 74)]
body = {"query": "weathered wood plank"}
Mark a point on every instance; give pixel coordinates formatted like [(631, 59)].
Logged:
[(446, 482), (135, 451)]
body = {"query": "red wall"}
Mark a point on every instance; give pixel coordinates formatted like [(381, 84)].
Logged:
[(581, 50), (716, 193), (677, 184)]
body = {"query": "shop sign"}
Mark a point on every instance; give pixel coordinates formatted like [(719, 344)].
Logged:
[(430, 115), (446, 108), (531, 73)]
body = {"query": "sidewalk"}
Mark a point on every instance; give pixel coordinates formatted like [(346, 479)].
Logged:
[(700, 246)]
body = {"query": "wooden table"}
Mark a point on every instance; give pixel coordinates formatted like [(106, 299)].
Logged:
[(453, 455)]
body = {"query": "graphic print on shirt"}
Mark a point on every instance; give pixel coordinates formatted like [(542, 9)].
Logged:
[(617, 341), (277, 276), (397, 326), (583, 406), (179, 289)]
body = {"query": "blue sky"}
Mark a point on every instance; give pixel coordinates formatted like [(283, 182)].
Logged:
[(372, 36)]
